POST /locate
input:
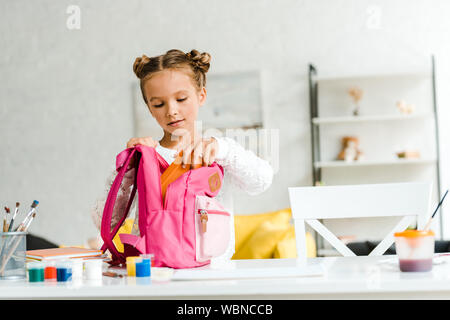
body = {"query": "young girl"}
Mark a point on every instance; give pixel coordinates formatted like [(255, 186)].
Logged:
[(173, 86)]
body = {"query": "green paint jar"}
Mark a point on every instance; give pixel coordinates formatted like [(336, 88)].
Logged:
[(35, 272)]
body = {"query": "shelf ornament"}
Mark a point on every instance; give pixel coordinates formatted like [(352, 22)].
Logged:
[(405, 108), (408, 154), (350, 150), (356, 94)]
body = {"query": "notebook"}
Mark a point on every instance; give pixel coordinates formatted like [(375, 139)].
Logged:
[(62, 253)]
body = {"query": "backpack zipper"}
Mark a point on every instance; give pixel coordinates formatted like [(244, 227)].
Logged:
[(203, 219), (204, 216)]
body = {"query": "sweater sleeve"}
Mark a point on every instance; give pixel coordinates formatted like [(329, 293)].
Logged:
[(121, 201), (246, 170)]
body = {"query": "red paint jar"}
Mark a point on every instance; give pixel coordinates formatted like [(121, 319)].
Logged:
[(50, 271)]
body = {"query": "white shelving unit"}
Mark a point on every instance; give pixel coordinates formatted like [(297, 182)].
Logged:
[(381, 128)]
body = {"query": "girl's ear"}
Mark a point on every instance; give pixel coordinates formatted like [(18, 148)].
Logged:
[(202, 96)]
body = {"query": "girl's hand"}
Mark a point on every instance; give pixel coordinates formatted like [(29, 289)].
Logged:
[(202, 152), (145, 141)]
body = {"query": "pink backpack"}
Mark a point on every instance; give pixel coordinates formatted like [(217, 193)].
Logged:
[(185, 231)]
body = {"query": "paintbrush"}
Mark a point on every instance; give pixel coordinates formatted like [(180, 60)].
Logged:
[(5, 220), (14, 216), (21, 227), (427, 226), (29, 221), (112, 274)]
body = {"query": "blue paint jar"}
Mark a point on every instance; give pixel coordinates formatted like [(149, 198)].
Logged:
[(143, 268), (64, 271)]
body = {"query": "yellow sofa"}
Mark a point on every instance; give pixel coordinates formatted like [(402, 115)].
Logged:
[(257, 236)]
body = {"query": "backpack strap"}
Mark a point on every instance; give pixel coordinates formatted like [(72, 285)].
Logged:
[(117, 257), (148, 181), (123, 160)]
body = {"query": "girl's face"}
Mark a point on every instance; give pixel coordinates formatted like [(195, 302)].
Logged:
[(173, 100)]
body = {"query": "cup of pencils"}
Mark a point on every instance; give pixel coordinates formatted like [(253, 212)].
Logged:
[(13, 255), (13, 244)]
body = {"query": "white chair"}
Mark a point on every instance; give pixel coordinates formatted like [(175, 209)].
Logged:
[(308, 204)]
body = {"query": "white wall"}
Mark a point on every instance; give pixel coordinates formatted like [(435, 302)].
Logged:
[(65, 95)]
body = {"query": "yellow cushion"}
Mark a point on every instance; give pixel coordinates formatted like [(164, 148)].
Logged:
[(286, 247), (262, 242), (245, 225), (125, 228)]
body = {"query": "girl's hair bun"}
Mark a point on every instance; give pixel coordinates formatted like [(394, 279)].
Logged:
[(197, 63), (199, 60), (139, 64)]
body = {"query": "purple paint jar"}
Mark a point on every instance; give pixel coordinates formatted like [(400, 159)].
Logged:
[(415, 250)]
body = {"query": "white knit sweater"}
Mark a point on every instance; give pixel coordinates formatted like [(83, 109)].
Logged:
[(242, 169)]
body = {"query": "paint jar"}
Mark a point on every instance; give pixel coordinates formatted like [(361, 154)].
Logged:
[(13, 247), (162, 274), (415, 250), (64, 271), (77, 269), (93, 269), (148, 256), (143, 268), (35, 271), (50, 271), (131, 265)]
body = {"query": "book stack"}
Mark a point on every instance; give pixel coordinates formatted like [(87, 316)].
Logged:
[(63, 253)]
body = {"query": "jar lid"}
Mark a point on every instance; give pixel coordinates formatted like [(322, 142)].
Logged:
[(64, 263), (95, 262), (414, 233), (35, 265), (132, 258), (50, 263)]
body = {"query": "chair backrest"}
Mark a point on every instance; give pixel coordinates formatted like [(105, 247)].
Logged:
[(308, 204)]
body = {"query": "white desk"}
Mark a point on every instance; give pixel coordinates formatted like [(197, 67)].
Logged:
[(344, 278)]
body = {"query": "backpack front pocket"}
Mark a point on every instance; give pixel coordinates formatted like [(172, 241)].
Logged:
[(163, 237), (212, 228)]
